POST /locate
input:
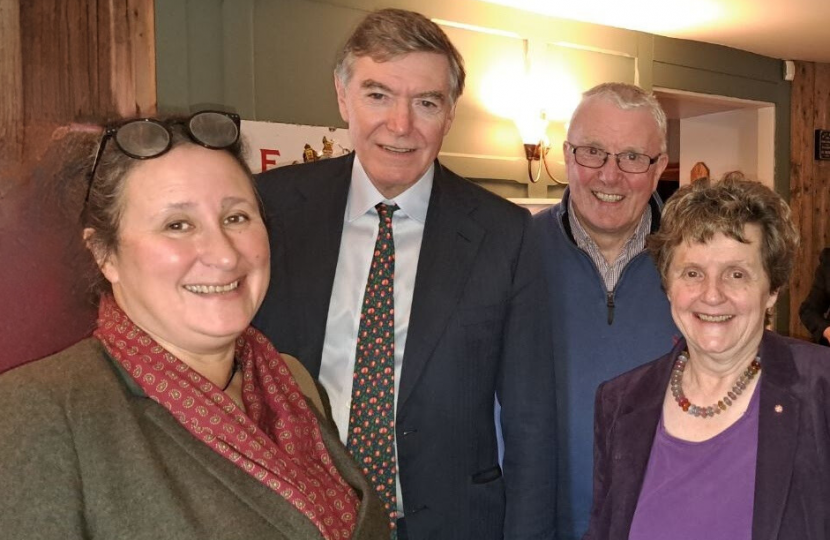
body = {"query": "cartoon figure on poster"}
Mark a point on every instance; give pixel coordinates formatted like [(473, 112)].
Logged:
[(328, 151), (309, 154), (273, 144)]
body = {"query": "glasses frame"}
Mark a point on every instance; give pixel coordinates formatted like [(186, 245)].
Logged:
[(111, 131), (651, 160)]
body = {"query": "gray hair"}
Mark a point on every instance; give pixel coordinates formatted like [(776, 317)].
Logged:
[(627, 97)]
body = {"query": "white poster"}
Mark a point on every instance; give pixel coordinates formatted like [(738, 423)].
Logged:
[(271, 144)]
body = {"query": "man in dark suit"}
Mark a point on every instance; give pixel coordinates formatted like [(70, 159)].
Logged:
[(469, 317)]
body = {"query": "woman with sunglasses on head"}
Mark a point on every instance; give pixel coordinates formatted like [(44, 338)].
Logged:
[(177, 419)]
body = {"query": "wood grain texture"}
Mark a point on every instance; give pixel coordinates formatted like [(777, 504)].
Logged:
[(85, 59), (809, 180), (62, 63), (11, 96)]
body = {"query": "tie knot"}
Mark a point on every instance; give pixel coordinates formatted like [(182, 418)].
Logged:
[(386, 210)]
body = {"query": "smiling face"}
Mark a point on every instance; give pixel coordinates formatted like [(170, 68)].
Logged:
[(608, 202), (192, 262), (719, 294), (398, 113)]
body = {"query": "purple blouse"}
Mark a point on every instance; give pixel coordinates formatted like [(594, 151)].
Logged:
[(700, 490)]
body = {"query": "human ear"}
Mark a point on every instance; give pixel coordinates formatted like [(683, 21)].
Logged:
[(340, 87), (106, 261), (773, 298), (659, 167)]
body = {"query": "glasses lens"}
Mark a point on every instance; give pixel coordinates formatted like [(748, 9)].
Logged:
[(213, 129), (143, 139), (588, 156), (634, 163)]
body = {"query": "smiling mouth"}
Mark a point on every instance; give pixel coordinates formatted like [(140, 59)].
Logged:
[(213, 289), (607, 197), (397, 150), (713, 318)]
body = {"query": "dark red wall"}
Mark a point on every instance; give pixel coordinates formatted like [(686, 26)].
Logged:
[(61, 61), (44, 268)]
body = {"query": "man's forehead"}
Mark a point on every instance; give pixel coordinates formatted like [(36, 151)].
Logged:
[(602, 121), (422, 65)]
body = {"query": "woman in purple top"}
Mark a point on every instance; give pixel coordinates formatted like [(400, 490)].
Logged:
[(728, 435)]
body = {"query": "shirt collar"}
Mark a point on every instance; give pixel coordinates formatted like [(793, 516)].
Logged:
[(363, 195), (634, 245)]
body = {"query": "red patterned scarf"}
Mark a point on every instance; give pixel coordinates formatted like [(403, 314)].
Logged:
[(278, 441)]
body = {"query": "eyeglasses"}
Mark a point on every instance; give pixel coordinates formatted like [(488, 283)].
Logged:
[(147, 138), (595, 158)]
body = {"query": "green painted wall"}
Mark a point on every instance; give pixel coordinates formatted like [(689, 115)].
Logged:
[(272, 60)]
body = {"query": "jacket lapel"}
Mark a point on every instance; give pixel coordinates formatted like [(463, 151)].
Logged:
[(448, 251), (311, 232), (280, 513), (634, 431), (778, 433)]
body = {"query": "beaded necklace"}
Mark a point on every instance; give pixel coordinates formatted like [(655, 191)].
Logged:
[(708, 412)]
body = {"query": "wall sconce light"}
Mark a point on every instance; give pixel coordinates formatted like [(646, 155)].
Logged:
[(533, 131), (535, 152)]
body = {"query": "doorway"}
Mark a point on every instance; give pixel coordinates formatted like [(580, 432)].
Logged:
[(724, 133)]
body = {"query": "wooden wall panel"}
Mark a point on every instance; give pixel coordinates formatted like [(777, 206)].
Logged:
[(809, 180), (66, 67), (87, 59), (11, 96)]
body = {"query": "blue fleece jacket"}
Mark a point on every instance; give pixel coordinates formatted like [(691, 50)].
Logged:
[(588, 349)]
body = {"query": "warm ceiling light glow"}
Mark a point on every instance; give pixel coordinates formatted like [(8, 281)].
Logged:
[(557, 92), (533, 127), (654, 16), (474, 28), (507, 91), (503, 88)]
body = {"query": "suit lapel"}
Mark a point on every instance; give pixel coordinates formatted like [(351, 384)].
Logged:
[(311, 232), (448, 251), (634, 432), (778, 433)]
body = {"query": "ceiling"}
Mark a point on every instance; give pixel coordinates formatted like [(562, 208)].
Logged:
[(679, 104), (786, 29)]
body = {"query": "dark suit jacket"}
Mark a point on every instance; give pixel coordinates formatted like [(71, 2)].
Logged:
[(814, 309), (792, 478), (477, 328), (85, 454)]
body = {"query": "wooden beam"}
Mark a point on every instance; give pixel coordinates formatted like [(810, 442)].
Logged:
[(11, 96)]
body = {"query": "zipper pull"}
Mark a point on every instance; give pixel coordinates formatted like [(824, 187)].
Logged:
[(610, 304)]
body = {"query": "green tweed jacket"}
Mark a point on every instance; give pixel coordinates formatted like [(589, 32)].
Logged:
[(84, 454)]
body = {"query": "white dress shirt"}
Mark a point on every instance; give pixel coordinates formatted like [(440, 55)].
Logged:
[(360, 229)]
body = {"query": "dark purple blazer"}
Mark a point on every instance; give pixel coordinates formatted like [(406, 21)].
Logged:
[(792, 478)]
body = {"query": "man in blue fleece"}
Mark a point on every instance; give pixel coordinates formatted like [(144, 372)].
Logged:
[(608, 309)]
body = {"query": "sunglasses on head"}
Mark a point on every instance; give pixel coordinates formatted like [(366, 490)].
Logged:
[(147, 138)]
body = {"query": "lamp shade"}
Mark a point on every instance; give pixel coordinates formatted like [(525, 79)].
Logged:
[(532, 127)]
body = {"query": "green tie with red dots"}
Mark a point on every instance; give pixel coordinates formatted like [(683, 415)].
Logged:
[(371, 438)]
